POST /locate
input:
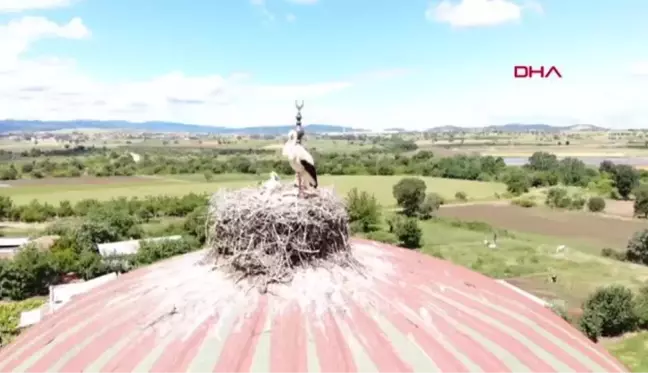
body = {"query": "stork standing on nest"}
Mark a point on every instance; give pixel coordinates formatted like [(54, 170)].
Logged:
[(301, 161)]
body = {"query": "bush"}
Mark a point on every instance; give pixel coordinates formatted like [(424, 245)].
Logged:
[(613, 254), (364, 211), (194, 223), (596, 204), (558, 198), (154, 251), (641, 307), (10, 317), (641, 201), (28, 274), (410, 194), (577, 203), (637, 248), (461, 196), (524, 202), (430, 205), (517, 182), (407, 231), (609, 312)]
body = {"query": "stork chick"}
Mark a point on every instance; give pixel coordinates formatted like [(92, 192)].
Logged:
[(301, 161)]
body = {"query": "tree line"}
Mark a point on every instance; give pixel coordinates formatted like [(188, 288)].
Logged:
[(74, 248), (144, 209)]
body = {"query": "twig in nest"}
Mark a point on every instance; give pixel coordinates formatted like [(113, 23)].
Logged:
[(262, 235)]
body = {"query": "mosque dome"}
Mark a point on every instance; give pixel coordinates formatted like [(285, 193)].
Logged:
[(400, 311)]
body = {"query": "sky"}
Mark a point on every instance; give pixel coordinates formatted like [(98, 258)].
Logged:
[(371, 64)]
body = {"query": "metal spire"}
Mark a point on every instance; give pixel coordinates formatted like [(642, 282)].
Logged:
[(298, 126)]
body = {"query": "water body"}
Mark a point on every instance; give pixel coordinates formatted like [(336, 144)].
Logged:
[(591, 161)]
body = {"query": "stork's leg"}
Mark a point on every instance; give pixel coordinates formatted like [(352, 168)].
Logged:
[(300, 192)]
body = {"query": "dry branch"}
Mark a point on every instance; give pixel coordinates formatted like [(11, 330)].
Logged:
[(265, 234)]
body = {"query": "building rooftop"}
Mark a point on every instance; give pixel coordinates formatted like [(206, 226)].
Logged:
[(402, 311)]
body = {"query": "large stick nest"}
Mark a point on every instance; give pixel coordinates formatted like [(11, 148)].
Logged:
[(264, 235)]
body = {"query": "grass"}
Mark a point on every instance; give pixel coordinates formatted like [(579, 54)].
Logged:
[(631, 350), (532, 257), (178, 185)]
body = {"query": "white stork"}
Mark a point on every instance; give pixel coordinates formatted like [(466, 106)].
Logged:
[(301, 161), (272, 182)]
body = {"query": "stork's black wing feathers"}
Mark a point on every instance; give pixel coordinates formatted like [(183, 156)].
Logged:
[(310, 168)]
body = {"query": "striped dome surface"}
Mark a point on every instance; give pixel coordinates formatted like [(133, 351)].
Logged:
[(399, 310)]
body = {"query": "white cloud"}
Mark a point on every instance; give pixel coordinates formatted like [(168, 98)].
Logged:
[(18, 35), (14, 6), (467, 13), (639, 68)]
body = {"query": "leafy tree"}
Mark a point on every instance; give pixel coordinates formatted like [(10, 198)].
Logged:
[(608, 167), (641, 201), (517, 182), (612, 309), (409, 194), (596, 204), (626, 178), (364, 210), (542, 161), (573, 171), (637, 248)]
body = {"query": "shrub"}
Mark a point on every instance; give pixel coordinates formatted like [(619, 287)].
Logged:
[(10, 317), (409, 194), (430, 205), (364, 210), (637, 248), (153, 251), (613, 254), (641, 201), (641, 307), (524, 202), (558, 198), (194, 223), (517, 182), (461, 196), (609, 312), (408, 232), (596, 204), (577, 203)]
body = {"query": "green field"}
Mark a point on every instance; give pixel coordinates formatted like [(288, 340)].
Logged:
[(530, 259), (631, 350), (381, 186)]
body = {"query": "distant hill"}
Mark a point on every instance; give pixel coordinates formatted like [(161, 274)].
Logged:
[(519, 127), (39, 126)]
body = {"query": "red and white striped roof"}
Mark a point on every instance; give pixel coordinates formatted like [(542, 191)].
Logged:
[(404, 312)]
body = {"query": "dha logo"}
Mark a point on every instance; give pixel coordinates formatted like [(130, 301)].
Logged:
[(529, 72)]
